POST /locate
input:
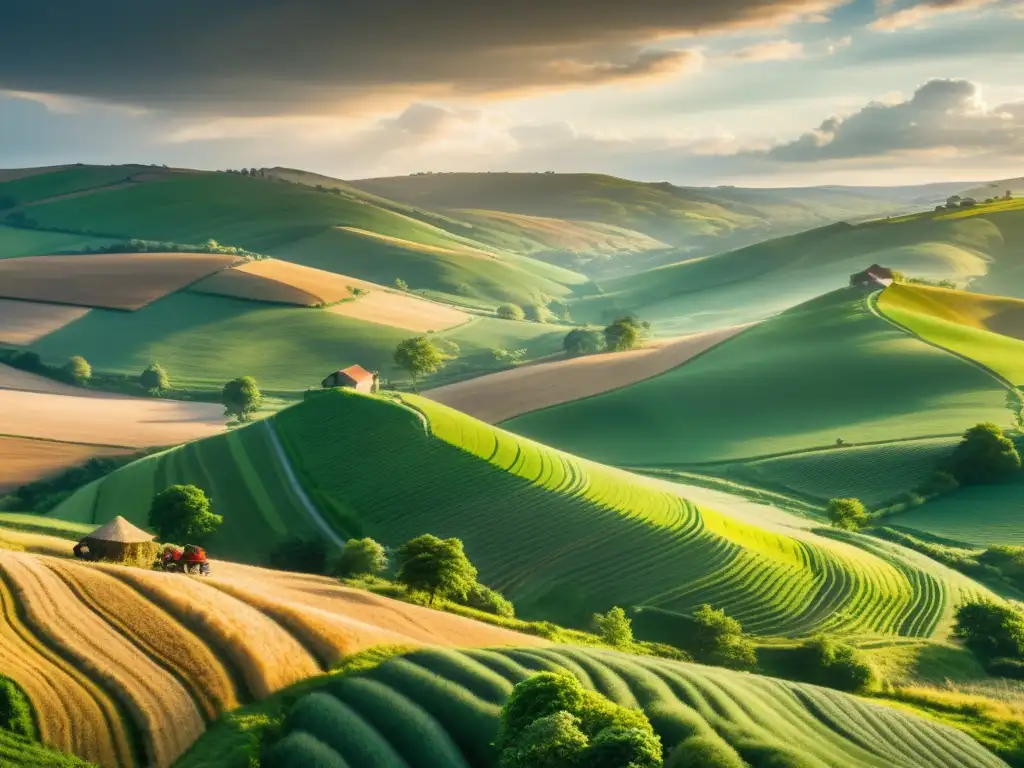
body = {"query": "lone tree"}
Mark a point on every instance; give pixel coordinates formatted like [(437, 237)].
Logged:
[(985, 455), (580, 341), (847, 514), (78, 370), (154, 378), (991, 630), (419, 357), (436, 566), (718, 639), (241, 398), (182, 513), (614, 627), (511, 312), (361, 557), (624, 334)]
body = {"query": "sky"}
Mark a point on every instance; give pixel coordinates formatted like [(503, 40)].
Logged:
[(741, 92)]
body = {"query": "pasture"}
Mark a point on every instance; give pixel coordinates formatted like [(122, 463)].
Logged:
[(825, 370), (440, 709), (126, 281), (25, 322)]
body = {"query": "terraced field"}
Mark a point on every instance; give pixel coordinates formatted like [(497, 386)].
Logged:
[(127, 667), (825, 370), (440, 709)]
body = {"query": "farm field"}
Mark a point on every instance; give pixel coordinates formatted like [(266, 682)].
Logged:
[(280, 282), (401, 311), (113, 280), (507, 394), (987, 329), (162, 656), (25, 322), (66, 181), (983, 516), (824, 370), (23, 460), (441, 709), (106, 421)]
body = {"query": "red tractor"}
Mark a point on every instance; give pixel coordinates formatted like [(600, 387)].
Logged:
[(191, 559)]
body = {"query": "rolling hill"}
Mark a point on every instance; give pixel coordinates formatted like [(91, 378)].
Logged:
[(561, 536)]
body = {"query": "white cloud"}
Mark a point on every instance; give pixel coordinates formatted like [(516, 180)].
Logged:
[(773, 50)]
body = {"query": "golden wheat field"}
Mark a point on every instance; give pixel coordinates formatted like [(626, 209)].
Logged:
[(106, 650), (23, 460), (281, 282), (401, 311), (507, 394), (126, 281), (26, 322)]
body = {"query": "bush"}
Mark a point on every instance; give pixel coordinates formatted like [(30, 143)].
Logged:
[(15, 710), (78, 370), (511, 312), (847, 514), (708, 751), (624, 334), (299, 555), (938, 483), (614, 627), (985, 456), (489, 600), (580, 341), (154, 378), (824, 661), (991, 630), (361, 557), (719, 640), (537, 313)]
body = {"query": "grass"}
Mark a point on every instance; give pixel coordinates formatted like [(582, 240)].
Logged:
[(65, 529), (980, 515), (19, 752), (30, 189), (441, 708), (827, 369), (16, 242)]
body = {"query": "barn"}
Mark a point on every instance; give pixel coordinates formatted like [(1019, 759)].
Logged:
[(117, 541), (873, 276), (354, 377)]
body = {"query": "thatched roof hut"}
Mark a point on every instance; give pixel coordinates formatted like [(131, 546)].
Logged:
[(118, 540)]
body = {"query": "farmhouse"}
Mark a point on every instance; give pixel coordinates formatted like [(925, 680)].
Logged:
[(118, 540), (354, 377), (872, 276)]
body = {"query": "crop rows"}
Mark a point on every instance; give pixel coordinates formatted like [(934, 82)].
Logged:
[(440, 709)]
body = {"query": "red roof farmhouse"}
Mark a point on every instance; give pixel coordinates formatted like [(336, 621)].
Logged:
[(354, 377), (872, 276)]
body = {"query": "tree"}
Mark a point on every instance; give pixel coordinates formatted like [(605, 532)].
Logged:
[(182, 513), (614, 627), (718, 639), (154, 378), (847, 514), (490, 601), (624, 333), (823, 661), (580, 341), (401, 285), (361, 557), (537, 313), (436, 566), (984, 456), (991, 630), (78, 370), (419, 357), (511, 312), (241, 398)]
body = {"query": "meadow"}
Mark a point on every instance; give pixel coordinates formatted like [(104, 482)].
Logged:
[(66, 181), (16, 242), (983, 516)]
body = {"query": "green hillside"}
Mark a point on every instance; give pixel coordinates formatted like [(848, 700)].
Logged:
[(562, 537), (204, 340), (15, 242), (825, 370), (66, 181), (983, 516), (441, 708)]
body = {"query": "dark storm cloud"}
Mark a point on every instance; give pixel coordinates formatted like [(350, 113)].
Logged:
[(259, 56)]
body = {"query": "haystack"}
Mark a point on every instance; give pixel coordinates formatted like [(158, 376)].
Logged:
[(118, 541)]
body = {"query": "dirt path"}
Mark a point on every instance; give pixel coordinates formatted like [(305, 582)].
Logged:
[(505, 395)]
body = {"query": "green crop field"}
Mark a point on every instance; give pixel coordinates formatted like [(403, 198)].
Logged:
[(982, 515), (825, 370), (441, 709), (15, 242)]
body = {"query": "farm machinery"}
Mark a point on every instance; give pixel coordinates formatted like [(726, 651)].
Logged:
[(190, 559)]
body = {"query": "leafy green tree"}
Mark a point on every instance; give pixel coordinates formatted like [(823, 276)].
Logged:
[(78, 370), (991, 630), (154, 378), (580, 341), (537, 313), (624, 334), (241, 398), (182, 514), (419, 357), (985, 455), (704, 751), (511, 312), (436, 566), (490, 601), (847, 514), (615, 747), (719, 640), (824, 661), (552, 741), (361, 557), (614, 627)]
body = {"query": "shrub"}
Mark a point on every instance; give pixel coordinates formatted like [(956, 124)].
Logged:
[(511, 312), (823, 661), (580, 341), (490, 601), (623, 334), (154, 378), (719, 640), (618, 747), (78, 370), (538, 696), (553, 741), (182, 513), (848, 514), (938, 483), (991, 630), (401, 285), (15, 710), (361, 557), (436, 566), (614, 627), (299, 555), (708, 751), (537, 313), (985, 456)]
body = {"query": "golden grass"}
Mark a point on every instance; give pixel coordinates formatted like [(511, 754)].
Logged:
[(161, 707), (155, 632), (72, 713), (269, 657), (998, 314), (420, 247), (501, 396), (26, 322), (112, 280), (400, 311), (281, 282), (23, 460), (110, 421), (37, 543)]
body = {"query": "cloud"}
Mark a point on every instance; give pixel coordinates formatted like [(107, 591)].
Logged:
[(832, 46), (915, 15), (943, 116), (259, 57), (774, 50)]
